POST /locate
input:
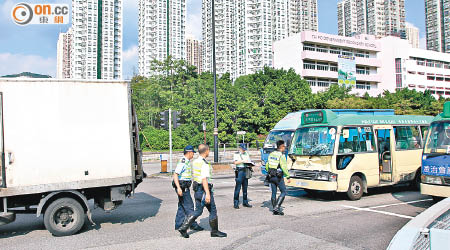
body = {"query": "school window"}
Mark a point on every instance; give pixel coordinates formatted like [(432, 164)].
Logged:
[(398, 65), (356, 140), (407, 138), (309, 65)]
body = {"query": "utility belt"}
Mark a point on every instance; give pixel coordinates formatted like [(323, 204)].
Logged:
[(183, 184), (196, 186)]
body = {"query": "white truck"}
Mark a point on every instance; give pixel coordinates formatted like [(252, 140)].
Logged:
[(62, 143)]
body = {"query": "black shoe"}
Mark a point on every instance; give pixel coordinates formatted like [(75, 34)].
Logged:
[(247, 205), (218, 234), (215, 229), (197, 227), (186, 224), (184, 234), (277, 210)]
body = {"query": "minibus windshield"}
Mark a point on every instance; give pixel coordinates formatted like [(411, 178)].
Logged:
[(313, 141), (439, 138)]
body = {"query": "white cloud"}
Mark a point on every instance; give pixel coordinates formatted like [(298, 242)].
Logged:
[(194, 25), (131, 54), (423, 43), (130, 61), (18, 63), (5, 9)]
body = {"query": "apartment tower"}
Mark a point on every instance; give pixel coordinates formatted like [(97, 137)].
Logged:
[(374, 17), (437, 21), (246, 29), (412, 35), (63, 59), (194, 53), (162, 31), (97, 39)]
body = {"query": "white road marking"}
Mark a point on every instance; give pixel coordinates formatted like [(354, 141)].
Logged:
[(401, 203), (380, 212)]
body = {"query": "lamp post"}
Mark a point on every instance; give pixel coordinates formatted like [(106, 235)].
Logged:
[(216, 131)]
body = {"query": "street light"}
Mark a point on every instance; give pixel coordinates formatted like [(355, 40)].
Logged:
[(216, 131)]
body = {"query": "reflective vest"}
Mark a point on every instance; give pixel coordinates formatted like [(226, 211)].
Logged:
[(277, 158), (197, 170), (186, 173), (274, 159)]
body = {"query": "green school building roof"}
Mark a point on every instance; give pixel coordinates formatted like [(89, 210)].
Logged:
[(329, 118)]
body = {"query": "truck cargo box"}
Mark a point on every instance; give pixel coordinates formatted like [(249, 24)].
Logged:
[(64, 135)]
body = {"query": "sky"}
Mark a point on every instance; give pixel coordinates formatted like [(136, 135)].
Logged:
[(33, 48)]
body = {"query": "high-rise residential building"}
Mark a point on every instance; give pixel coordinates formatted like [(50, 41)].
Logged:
[(302, 15), (63, 59), (194, 53), (347, 18), (97, 39), (437, 23), (412, 35), (162, 32), (246, 29), (374, 17)]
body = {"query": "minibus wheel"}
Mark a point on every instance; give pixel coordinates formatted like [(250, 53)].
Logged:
[(310, 192), (355, 188)]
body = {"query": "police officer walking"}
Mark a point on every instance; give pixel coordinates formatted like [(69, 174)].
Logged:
[(204, 193), (276, 168), (182, 180), (241, 158)]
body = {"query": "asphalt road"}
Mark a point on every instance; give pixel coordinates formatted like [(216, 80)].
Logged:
[(147, 221)]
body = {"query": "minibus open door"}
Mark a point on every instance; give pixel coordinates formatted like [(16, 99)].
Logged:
[(384, 146)]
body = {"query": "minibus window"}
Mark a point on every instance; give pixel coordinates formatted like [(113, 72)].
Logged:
[(407, 138), (356, 140)]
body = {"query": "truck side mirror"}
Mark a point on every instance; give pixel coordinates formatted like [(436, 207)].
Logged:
[(257, 144)]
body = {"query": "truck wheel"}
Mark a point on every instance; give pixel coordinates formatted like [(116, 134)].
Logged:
[(355, 188), (64, 217)]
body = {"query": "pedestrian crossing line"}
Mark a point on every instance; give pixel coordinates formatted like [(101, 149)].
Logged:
[(401, 203), (377, 211)]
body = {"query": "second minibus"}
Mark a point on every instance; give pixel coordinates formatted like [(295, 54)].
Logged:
[(436, 157), (350, 153)]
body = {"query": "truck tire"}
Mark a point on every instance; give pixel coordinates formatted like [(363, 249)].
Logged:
[(355, 188), (64, 216)]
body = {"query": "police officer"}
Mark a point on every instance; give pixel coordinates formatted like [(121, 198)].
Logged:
[(182, 180), (204, 194), (276, 168), (240, 160)]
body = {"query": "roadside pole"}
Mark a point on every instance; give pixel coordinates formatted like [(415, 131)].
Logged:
[(170, 140), (204, 132)]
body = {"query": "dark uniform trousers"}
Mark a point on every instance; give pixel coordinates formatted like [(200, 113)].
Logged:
[(241, 180), (200, 204), (279, 185), (185, 208)]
